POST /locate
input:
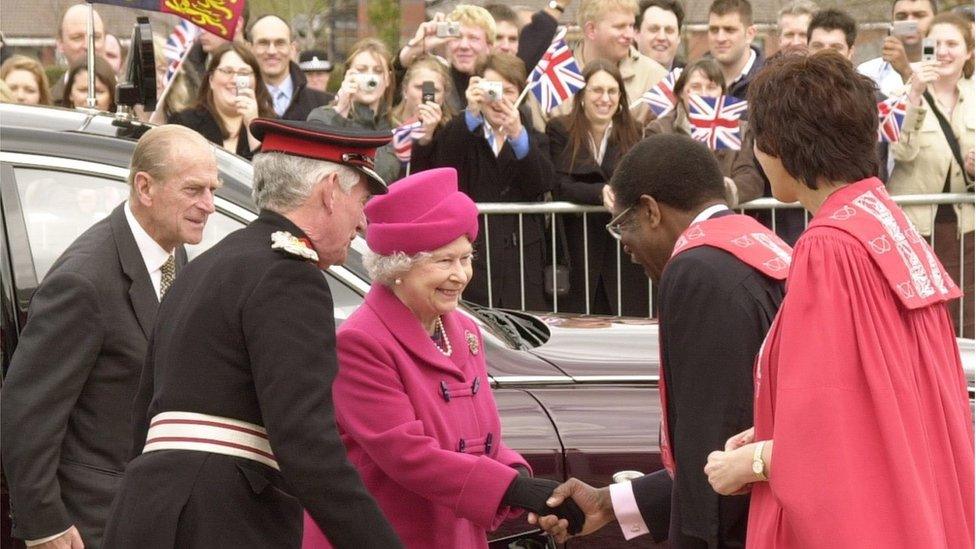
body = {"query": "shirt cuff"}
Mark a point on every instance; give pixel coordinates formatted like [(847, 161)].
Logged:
[(520, 145), (33, 542), (471, 120), (626, 510)]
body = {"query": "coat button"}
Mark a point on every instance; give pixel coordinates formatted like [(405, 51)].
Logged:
[(461, 445), (476, 386), (444, 392)]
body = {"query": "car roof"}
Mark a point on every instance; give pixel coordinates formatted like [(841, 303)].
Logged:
[(101, 138)]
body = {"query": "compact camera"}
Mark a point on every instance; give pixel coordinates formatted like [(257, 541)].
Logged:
[(901, 29), (367, 82), (928, 49), (448, 29), (493, 90), (242, 82)]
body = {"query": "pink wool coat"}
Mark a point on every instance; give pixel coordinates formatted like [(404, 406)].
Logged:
[(422, 428)]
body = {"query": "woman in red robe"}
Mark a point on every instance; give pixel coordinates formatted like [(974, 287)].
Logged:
[(863, 432)]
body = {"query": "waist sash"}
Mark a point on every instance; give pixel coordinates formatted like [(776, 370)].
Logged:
[(206, 433)]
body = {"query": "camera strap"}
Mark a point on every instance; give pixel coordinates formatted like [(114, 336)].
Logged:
[(950, 137)]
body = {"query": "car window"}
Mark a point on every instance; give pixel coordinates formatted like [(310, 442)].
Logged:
[(59, 205)]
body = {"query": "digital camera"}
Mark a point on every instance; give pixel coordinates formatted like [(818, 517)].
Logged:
[(448, 29), (367, 82), (493, 90), (242, 82)]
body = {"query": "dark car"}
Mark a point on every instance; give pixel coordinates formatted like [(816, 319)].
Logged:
[(577, 395)]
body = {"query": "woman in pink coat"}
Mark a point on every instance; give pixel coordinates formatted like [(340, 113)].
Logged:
[(413, 400)]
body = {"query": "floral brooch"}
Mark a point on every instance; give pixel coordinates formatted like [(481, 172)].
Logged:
[(289, 243)]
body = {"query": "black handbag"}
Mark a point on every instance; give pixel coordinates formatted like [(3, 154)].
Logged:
[(950, 137), (555, 274)]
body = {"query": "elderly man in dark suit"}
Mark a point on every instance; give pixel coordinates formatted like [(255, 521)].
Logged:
[(66, 399), (234, 424)]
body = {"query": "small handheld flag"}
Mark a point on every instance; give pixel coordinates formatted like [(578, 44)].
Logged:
[(660, 98), (557, 76), (891, 115), (403, 137), (715, 121)]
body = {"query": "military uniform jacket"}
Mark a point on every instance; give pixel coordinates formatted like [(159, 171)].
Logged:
[(248, 334), (65, 401)]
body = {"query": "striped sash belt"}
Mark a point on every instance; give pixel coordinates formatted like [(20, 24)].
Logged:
[(206, 433)]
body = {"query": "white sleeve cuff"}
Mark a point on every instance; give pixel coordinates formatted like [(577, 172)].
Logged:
[(33, 542), (626, 510)]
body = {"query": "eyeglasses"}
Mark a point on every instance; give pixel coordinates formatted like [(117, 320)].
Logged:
[(264, 45), (230, 71), (618, 222)]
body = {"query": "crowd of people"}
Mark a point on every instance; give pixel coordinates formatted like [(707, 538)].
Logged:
[(567, 153), (810, 397)]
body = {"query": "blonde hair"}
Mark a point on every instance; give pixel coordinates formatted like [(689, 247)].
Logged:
[(178, 97), (593, 10), (379, 50), (31, 65), (432, 64), (475, 16)]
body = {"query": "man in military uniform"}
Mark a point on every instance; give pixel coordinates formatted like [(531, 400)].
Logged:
[(234, 425)]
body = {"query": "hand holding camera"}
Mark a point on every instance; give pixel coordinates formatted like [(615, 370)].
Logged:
[(924, 74), (245, 101)]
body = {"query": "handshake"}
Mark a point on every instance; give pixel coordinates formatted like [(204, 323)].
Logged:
[(561, 510)]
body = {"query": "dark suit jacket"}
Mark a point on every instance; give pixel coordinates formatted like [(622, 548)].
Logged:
[(487, 178), (65, 400), (581, 180), (245, 332), (202, 121), (714, 311), (303, 98)]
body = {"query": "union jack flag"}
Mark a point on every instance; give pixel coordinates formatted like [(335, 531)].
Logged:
[(715, 121), (891, 115), (179, 41), (403, 137), (557, 76), (660, 98)]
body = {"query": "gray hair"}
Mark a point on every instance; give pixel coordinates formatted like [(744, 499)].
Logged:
[(799, 7), (283, 181), (386, 268)]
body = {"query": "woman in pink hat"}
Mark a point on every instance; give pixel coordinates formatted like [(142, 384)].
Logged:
[(413, 401)]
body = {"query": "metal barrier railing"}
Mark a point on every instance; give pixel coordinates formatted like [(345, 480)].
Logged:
[(551, 209)]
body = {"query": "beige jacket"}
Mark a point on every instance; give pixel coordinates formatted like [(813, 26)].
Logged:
[(639, 73), (923, 157)]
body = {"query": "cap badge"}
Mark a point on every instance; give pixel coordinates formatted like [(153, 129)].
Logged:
[(289, 243), (472, 342)]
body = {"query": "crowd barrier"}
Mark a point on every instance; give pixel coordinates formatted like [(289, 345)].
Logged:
[(551, 209)]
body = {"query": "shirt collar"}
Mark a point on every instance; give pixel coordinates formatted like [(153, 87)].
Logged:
[(748, 67), (153, 255), (709, 212), (286, 87)]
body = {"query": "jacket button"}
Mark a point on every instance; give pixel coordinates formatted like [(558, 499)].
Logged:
[(444, 392), (476, 386)]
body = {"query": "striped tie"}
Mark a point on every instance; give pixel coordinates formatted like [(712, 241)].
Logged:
[(168, 274)]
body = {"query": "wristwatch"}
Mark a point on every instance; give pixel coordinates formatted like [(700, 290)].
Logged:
[(553, 5), (758, 465)]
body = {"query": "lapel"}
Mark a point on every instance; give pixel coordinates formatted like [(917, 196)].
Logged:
[(405, 327), (141, 293)]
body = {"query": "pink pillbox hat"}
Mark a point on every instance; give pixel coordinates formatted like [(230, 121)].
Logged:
[(420, 214)]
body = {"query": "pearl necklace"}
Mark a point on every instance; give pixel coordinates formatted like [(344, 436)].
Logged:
[(447, 342)]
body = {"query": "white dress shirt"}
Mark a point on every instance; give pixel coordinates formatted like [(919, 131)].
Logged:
[(153, 255)]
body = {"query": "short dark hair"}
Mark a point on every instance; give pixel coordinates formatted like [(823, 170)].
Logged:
[(707, 65), (834, 19), (667, 5), (818, 115), (933, 3), (725, 7), (671, 168), (501, 12), (508, 66), (103, 73)]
